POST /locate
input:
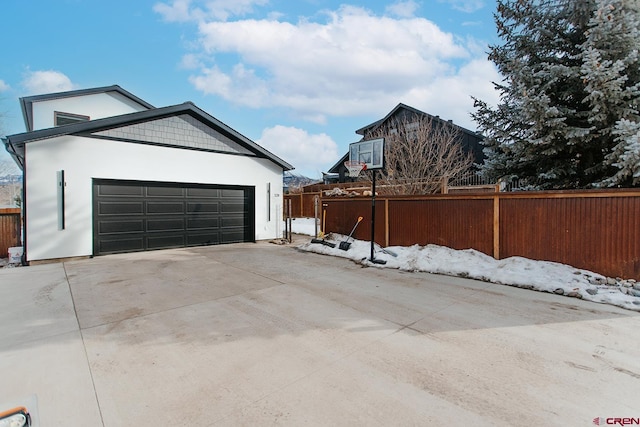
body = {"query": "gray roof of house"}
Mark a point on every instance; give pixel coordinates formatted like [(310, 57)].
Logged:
[(377, 123), (26, 103), (336, 167), (15, 143)]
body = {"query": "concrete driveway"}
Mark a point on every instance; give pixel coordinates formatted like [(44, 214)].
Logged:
[(260, 334)]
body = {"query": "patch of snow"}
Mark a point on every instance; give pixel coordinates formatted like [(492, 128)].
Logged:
[(304, 226), (544, 276)]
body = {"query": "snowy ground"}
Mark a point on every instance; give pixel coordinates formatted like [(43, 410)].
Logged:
[(541, 276)]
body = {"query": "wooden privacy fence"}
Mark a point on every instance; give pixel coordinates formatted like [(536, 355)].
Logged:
[(597, 230), (302, 204), (9, 230)]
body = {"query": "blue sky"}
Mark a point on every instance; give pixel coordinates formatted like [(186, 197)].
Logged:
[(297, 76)]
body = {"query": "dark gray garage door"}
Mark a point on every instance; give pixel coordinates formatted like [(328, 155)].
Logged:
[(130, 216)]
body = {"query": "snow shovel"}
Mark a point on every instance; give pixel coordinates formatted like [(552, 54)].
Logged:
[(345, 245), (323, 242)]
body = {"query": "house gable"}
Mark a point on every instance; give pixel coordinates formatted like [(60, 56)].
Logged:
[(402, 111), (182, 130), (206, 132), (39, 110), (470, 140)]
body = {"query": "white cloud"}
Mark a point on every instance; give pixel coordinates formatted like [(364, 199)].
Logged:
[(450, 96), (338, 67), (190, 61), (187, 10), (3, 86), (178, 11), (468, 6), (403, 9), (50, 81), (241, 85), (344, 62), (309, 154)]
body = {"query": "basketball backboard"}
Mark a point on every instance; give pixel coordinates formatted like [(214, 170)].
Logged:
[(370, 152)]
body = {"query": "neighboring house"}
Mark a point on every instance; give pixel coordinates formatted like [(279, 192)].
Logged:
[(469, 140), (106, 172)]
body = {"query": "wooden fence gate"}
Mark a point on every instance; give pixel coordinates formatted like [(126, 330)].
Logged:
[(10, 227)]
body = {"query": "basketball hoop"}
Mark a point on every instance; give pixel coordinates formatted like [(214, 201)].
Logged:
[(355, 167)]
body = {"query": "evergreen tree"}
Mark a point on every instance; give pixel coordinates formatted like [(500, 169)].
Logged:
[(549, 128), (611, 71)]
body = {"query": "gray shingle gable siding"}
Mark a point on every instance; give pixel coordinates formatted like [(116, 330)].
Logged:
[(15, 143), (182, 130)]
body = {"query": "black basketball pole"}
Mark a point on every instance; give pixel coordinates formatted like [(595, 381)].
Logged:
[(373, 214), (373, 220)]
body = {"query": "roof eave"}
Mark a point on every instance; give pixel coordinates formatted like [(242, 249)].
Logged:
[(26, 102), (17, 157), (90, 91), (335, 168), (109, 122), (374, 125)]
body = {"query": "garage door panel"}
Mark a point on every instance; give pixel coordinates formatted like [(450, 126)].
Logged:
[(233, 235), (120, 190), (203, 193), (124, 226), (154, 207), (121, 208), (135, 216), (232, 208), (131, 244), (162, 191), (232, 193), (202, 223), (232, 221), (165, 224), (202, 207), (166, 240)]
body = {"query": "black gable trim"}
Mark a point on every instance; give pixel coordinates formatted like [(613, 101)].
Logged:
[(336, 168), (26, 102), (400, 106), (84, 128)]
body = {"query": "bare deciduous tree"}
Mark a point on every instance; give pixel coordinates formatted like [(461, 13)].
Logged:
[(7, 165), (419, 153), (9, 191)]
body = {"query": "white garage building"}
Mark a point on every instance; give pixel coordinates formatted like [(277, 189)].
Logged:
[(106, 172)]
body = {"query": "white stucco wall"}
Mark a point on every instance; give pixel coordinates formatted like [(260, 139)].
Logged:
[(96, 106), (83, 159)]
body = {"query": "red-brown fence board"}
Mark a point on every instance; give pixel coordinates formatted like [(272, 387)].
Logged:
[(302, 204), (342, 215), (596, 233), (598, 230), (308, 204), (9, 230), (455, 223)]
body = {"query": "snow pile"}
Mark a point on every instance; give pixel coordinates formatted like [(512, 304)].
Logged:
[(544, 276), (303, 226)]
